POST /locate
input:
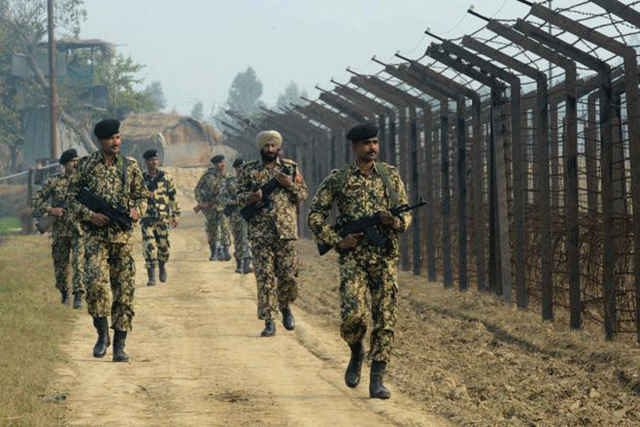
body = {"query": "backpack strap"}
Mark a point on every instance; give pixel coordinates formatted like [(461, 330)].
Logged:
[(383, 169)]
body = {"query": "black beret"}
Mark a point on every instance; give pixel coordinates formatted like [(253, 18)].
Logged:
[(238, 162), (106, 128), (362, 131), (217, 159), (69, 154), (149, 154)]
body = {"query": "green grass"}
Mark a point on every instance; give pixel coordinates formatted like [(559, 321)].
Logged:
[(9, 224), (33, 325)]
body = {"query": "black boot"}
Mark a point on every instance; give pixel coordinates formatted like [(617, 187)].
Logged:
[(102, 326), (77, 300), (219, 254), (119, 338), (151, 272), (212, 248), (377, 389), (246, 266), (64, 297), (269, 329), (162, 272), (226, 256), (287, 319), (239, 263), (352, 375)]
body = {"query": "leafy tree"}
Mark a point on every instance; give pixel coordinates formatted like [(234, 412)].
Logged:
[(290, 95), (197, 110), (244, 92), (157, 94)]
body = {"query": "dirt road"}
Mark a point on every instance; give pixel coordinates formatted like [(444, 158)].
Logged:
[(197, 359)]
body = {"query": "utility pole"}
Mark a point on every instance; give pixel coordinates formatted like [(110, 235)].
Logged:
[(53, 88)]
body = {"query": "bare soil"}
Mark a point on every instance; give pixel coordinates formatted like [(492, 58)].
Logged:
[(462, 359)]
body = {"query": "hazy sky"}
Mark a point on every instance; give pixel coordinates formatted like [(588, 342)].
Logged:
[(196, 48)]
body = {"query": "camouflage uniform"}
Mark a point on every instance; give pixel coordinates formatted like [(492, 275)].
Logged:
[(108, 259), (273, 234), (239, 226), (366, 266), (65, 234), (211, 189), (162, 208)]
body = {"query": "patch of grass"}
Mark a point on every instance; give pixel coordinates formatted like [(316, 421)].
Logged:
[(33, 325), (9, 224)]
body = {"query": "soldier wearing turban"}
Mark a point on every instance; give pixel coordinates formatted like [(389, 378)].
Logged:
[(273, 230)]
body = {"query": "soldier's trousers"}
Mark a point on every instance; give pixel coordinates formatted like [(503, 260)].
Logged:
[(109, 276), (240, 230), (214, 220), (361, 271), (275, 264), (155, 242), (67, 253)]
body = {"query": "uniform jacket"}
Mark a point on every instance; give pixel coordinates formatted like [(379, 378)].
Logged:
[(283, 214), (360, 196), (53, 194), (211, 189), (107, 182), (162, 203)]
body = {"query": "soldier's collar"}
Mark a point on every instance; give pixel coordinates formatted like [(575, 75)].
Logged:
[(374, 169)]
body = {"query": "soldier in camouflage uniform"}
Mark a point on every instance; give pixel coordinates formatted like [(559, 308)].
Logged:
[(108, 265), (239, 227), (162, 212), (66, 241), (210, 193), (273, 230), (362, 189)]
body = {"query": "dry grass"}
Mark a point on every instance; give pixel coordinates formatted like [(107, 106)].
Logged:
[(33, 325)]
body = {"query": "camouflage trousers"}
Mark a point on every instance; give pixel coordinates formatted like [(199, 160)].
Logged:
[(67, 254), (362, 270), (240, 230), (108, 267), (155, 242), (217, 228), (276, 268)]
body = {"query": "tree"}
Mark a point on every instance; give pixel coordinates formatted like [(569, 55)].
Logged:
[(290, 95), (157, 95), (197, 111), (244, 92)]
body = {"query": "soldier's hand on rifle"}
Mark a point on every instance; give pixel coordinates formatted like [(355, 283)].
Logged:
[(388, 219), (99, 220), (57, 212), (350, 241), (133, 213), (284, 180), (254, 197)]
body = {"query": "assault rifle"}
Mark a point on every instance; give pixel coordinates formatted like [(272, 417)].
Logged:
[(366, 225), (250, 211), (117, 214)]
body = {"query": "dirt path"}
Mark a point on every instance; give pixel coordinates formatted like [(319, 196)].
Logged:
[(197, 359)]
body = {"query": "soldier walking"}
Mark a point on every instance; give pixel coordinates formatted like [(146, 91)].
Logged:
[(163, 211), (364, 188), (210, 194), (66, 241), (273, 229), (109, 268), (239, 227)]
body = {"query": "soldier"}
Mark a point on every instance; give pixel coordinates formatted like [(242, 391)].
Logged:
[(364, 188), (163, 210), (273, 229), (210, 194), (66, 239), (239, 227), (116, 183)]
